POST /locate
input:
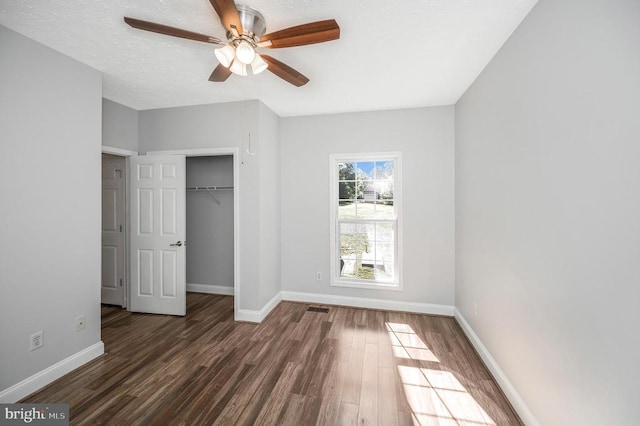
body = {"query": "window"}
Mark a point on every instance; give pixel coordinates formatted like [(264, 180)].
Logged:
[(365, 220)]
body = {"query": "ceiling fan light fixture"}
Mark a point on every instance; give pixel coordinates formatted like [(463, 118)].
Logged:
[(225, 55), (245, 52), (239, 68), (258, 65)]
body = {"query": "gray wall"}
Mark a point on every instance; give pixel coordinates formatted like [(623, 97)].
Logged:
[(269, 152), (425, 138), (217, 126), (50, 216), (548, 210), (119, 126), (209, 224)]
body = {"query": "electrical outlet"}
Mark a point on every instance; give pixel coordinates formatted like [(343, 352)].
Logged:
[(318, 276), (80, 322), (475, 309), (36, 340)]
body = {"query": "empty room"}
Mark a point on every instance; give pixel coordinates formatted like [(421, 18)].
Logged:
[(320, 212)]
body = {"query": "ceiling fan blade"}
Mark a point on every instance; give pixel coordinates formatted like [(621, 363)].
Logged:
[(175, 32), (220, 73), (228, 13), (284, 71), (314, 32)]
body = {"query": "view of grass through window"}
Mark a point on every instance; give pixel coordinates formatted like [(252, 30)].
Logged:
[(366, 220)]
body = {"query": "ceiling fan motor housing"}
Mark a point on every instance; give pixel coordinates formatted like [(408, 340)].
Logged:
[(253, 23)]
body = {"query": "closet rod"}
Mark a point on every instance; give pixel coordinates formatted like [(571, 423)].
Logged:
[(209, 188)]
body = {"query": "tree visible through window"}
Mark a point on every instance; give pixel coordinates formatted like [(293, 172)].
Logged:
[(365, 219)]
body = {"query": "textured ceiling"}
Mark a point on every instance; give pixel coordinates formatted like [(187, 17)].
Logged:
[(391, 54)]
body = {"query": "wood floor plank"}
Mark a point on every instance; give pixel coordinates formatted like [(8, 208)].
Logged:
[(332, 394), (368, 406), (385, 350), (353, 380), (387, 408), (274, 405), (348, 415), (294, 410), (298, 367)]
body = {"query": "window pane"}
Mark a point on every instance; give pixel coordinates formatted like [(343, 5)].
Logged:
[(346, 209), (347, 267), (385, 251), (369, 191), (353, 245), (365, 272), (366, 261), (384, 232), (383, 210), (347, 228), (366, 210), (368, 230), (364, 187), (385, 189), (356, 245), (366, 170), (346, 190), (384, 170), (385, 272), (346, 171), (375, 210)]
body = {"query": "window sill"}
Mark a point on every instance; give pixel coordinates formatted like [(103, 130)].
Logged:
[(366, 284)]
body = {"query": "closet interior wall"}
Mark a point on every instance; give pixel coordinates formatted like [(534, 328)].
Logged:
[(210, 224)]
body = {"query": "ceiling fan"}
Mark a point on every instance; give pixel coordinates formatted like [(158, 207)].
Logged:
[(246, 29)]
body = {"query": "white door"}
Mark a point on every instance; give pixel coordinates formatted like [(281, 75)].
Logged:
[(158, 231), (113, 235)]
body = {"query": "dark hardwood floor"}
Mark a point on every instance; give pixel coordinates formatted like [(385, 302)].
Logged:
[(299, 367)]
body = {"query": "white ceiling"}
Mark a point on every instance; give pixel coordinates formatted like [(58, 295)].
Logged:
[(391, 54)]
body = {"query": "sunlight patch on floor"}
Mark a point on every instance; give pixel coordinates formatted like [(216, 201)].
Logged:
[(436, 397), (406, 344)]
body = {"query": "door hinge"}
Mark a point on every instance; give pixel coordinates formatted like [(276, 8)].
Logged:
[(120, 282), (120, 228)]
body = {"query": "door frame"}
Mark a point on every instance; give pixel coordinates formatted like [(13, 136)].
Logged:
[(216, 152), (125, 153)]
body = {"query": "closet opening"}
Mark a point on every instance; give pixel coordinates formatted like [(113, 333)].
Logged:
[(210, 215)]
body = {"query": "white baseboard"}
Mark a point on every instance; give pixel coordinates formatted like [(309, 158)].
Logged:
[(258, 316), (510, 392), (359, 302), (42, 378), (210, 289)]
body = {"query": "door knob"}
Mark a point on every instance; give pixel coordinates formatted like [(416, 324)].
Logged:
[(178, 244)]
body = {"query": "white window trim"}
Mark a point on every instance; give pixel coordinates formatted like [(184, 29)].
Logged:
[(334, 159)]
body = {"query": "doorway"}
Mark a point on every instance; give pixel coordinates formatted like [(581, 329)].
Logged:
[(112, 287), (226, 191), (210, 224), (234, 154)]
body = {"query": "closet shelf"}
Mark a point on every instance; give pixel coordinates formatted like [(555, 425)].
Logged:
[(209, 188)]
